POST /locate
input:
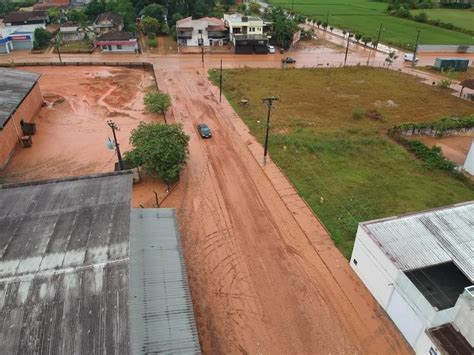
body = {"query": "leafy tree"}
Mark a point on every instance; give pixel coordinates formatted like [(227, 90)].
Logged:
[(366, 39), (157, 102), (6, 6), (153, 10), (358, 36), (94, 9), (125, 9), (162, 150), (283, 27), (42, 38), (254, 7), (54, 14), (175, 18), (324, 25), (150, 25), (319, 23), (242, 7), (392, 57), (76, 16), (331, 28)]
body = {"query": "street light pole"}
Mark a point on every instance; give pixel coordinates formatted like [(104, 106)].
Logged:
[(58, 43), (269, 102), (202, 50), (378, 35), (347, 47), (114, 128), (415, 49)]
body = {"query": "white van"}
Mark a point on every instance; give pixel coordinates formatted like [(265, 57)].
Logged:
[(408, 57)]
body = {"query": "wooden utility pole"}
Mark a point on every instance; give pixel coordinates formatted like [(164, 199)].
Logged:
[(220, 85), (413, 63), (269, 102), (114, 127)]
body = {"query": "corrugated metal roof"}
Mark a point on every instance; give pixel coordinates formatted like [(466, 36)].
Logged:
[(14, 86), (160, 307), (64, 265), (428, 238)]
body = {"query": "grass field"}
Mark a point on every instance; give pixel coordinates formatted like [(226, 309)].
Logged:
[(366, 16), (459, 18), (459, 75), (346, 169)]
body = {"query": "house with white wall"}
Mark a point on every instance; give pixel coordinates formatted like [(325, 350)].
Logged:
[(420, 269), (210, 30), (117, 42), (247, 33)]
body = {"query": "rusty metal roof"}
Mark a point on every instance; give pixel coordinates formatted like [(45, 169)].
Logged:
[(161, 311), (428, 238)]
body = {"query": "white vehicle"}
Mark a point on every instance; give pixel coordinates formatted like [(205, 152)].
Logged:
[(271, 49), (408, 57)]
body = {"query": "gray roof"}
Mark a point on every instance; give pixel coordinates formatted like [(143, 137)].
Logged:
[(428, 238), (64, 247), (14, 86), (161, 314)]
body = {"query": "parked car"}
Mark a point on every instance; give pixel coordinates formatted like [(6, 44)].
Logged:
[(204, 130), (288, 60), (408, 57), (271, 49)]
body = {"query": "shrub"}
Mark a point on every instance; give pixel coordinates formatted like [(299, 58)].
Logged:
[(358, 114), (421, 17), (445, 83), (42, 38), (152, 42), (374, 115)]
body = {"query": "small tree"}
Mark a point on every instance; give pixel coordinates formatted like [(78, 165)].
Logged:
[(254, 7), (162, 150), (331, 28), (318, 23), (392, 57), (150, 25), (42, 38), (366, 39), (157, 102), (358, 36), (421, 17), (54, 14), (324, 25)]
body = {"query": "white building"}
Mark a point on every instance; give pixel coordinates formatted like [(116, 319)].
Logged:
[(417, 266), (469, 163), (247, 33), (210, 29), (117, 42), (17, 37)]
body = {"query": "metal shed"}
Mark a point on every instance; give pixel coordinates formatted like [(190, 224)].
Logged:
[(457, 64)]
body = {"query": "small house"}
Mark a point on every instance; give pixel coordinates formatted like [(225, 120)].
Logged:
[(20, 18), (206, 31), (74, 32), (117, 42), (108, 21)]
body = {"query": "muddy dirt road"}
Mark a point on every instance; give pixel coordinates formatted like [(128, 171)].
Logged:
[(258, 285)]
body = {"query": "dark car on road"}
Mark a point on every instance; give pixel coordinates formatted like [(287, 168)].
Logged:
[(204, 130)]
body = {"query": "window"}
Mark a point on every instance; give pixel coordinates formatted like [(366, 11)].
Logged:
[(119, 46), (104, 47), (354, 261), (199, 31)]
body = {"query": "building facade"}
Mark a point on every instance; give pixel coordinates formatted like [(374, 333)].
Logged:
[(247, 33), (117, 42), (20, 18), (107, 22), (210, 30), (416, 267), (20, 101)]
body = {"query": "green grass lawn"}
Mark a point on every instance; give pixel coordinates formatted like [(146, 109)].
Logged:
[(459, 18), (359, 172), (366, 16)]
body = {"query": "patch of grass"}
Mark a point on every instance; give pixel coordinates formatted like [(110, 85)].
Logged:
[(459, 18), (454, 75), (360, 173), (365, 16)]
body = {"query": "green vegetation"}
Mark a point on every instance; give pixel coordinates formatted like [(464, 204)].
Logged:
[(327, 139), (162, 150), (459, 18), (157, 102), (42, 38), (365, 16), (450, 74)]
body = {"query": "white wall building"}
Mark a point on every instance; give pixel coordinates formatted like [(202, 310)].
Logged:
[(247, 33), (117, 42), (416, 266), (210, 29), (17, 37), (469, 163)]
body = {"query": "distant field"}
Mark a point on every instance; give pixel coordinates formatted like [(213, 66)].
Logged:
[(459, 18), (346, 169), (366, 16)]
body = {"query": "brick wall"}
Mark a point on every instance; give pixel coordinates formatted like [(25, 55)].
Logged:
[(26, 112)]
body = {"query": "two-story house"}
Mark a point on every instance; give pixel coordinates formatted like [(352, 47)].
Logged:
[(206, 31), (247, 33)]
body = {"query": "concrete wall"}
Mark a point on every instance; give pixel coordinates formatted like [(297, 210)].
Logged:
[(124, 49), (469, 163), (26, 112), (464, 319), (427, 48)]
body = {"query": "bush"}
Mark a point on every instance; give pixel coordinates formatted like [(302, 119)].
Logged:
[(358, 114), (445, 83), (42, 38), (421, 17), (431, 156), (152, 42)]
